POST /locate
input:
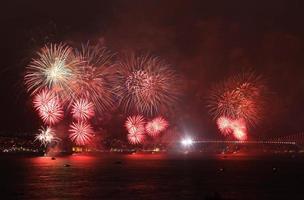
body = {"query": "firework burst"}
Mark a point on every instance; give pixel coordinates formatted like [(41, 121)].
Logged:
[(242, 96), (229, 126), (146, 84), (224, 125), (136, 138), (95, 76), (81, 133), (54, 68), (135, 124), (48, 106), (46, 136), (43, 98), (239, 129), (156, 126), (82, 110)]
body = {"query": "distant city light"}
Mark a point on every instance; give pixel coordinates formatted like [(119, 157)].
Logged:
[(187, 142)]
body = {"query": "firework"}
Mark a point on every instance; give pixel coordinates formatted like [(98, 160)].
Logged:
[(135, 124), (46, 136), (54, 68), (82, 110), (240, 134), (146, 84), (43, 98), (156, 126), (48, 106), (95, 76), (235, 127), (242, 96), (239, 129), (136, 138), (81, 132), (225, 125)]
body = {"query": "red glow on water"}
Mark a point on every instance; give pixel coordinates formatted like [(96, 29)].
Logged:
[(145, 156), (65, 161)]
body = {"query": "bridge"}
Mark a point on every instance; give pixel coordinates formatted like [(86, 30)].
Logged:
[(294, 139), (244, 142)]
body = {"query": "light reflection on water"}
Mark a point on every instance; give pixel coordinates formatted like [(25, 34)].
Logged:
[(152, 176)]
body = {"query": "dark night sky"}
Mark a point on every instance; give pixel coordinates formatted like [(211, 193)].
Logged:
[(204, 40)]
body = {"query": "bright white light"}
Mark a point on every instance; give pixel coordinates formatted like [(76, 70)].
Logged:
[(187, 142)]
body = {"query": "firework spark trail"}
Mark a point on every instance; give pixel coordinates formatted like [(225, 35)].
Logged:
[(95, 55), (82, 110), (54, 69), (146, 84), (46, 136), (95, 76), (241, 96), (81, 133), (156, 126)]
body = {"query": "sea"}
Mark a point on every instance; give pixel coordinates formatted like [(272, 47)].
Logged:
[(152, 176)]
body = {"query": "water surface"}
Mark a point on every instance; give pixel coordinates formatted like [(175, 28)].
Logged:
[(153, 176)]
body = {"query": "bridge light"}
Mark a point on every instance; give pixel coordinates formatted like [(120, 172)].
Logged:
[(187, 142)]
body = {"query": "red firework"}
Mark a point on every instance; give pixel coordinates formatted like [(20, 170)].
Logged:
[(241, 96), (156, 126), (229, 126), (225, 125), (82, 110), (48, 106), (136, 138), (51, 113), (43, 98), (135, 124), (81, 132), (239, 129), (146, 84), (95, 76), (240, 134)]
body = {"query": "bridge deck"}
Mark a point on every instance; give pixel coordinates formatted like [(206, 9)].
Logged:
[(245, 142)]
